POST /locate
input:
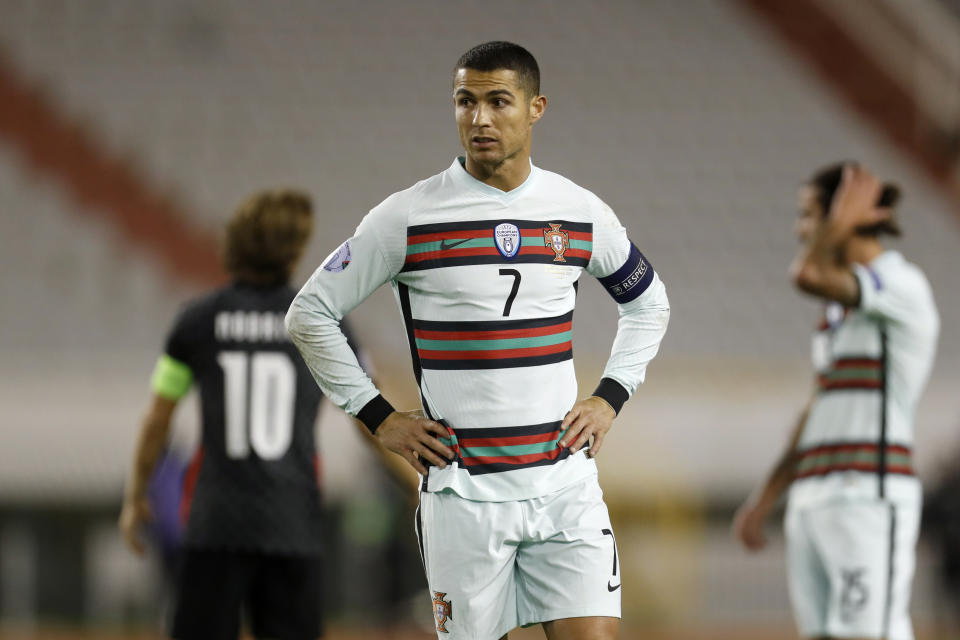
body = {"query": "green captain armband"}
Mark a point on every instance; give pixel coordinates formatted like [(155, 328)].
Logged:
[(171, 378)]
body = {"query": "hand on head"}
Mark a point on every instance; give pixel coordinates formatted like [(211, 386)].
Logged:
[(855, 204)]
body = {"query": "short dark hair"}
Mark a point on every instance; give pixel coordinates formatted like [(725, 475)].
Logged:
[(499, 54), (827, 181), (266, 236)]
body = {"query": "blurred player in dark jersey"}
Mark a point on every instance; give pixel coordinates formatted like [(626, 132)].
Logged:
[(251, 503)]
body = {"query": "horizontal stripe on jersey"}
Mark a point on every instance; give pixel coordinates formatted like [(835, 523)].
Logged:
[(852, 373), (498, 344), (453, 244), (493, 450), (853, 456)]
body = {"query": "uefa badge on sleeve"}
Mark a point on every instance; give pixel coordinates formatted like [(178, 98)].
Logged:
[(339, 259), (442, 611), (507, 238), (558, 240)]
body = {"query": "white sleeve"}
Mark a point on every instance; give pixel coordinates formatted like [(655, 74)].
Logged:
[(373, 256), (892, 294), (642, 300)]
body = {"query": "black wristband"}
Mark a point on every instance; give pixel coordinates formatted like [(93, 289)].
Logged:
[(375, 412), (612, 392)]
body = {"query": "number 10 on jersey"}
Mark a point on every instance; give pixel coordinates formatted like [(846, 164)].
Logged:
[(259, 393)]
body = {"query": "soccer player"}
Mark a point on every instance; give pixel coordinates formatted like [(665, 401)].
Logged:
[(484, 259), (853, 512), (253, 531)]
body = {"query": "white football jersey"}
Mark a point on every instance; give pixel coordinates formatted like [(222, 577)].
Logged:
[(486, 283), (872, 364)]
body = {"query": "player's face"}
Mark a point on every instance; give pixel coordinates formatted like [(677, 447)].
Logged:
[(811, 214), (494, 114)]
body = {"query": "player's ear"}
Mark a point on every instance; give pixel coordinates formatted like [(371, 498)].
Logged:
[(537, 106)]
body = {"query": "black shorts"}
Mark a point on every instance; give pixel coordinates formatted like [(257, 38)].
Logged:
[(279, 596)]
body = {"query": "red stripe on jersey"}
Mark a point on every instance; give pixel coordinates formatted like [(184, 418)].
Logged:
[(508, 441), (856, 363), (488, 233), (547, 251), (864, 383), (838, 448), (190, 484), (494, 335)]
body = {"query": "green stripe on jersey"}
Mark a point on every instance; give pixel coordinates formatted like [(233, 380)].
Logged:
[(472, 243), (512, 450), (538, 241), (853, 374), (843, 458), (494, 345), (171, 378)]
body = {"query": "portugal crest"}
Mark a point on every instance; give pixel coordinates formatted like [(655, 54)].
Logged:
[(442, 610), (556, 239), (507, 238)]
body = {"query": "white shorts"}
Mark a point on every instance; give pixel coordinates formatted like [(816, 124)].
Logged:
[(493, 566), (850, 565)]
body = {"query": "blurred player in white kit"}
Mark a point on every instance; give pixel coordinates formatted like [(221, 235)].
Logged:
[(853, 510)]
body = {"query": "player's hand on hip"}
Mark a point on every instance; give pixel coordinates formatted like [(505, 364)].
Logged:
[(136, 513), (748, 526), (591, 417), (413, 437)]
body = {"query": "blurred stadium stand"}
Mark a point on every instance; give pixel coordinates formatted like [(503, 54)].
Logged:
[(696, 121)]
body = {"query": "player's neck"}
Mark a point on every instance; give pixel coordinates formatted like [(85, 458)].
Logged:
[(506, 176), (863, 250)]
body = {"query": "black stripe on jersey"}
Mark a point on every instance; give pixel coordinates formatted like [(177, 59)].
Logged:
[(491, 325), (463, 261), (479, 225), (404, 293), (501, 363), (408, 322), (508, 432), (882, 445), (888, 595), (631, 279), (497, 467)]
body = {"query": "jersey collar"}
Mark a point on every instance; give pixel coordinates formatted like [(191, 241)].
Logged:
[(460, 174)]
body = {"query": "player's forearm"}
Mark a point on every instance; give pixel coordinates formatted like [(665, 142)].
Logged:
[(817, 261), (150, 445), (316, 332), (784, 471), (640, 329)]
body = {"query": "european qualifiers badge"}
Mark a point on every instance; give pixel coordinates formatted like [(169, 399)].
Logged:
[(442, 611), (339, 259), (507, 238), (556, 239)]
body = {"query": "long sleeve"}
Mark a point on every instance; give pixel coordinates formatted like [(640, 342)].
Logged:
[(644, 309), (347, 277)]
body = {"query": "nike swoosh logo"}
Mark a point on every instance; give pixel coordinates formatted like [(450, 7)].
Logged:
[(444, 245), (612, 589)]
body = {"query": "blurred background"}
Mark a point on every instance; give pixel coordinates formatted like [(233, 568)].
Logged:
[(130, 130)]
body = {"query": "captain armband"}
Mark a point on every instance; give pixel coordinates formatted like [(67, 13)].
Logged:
[(631, 279), (171, 378)]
